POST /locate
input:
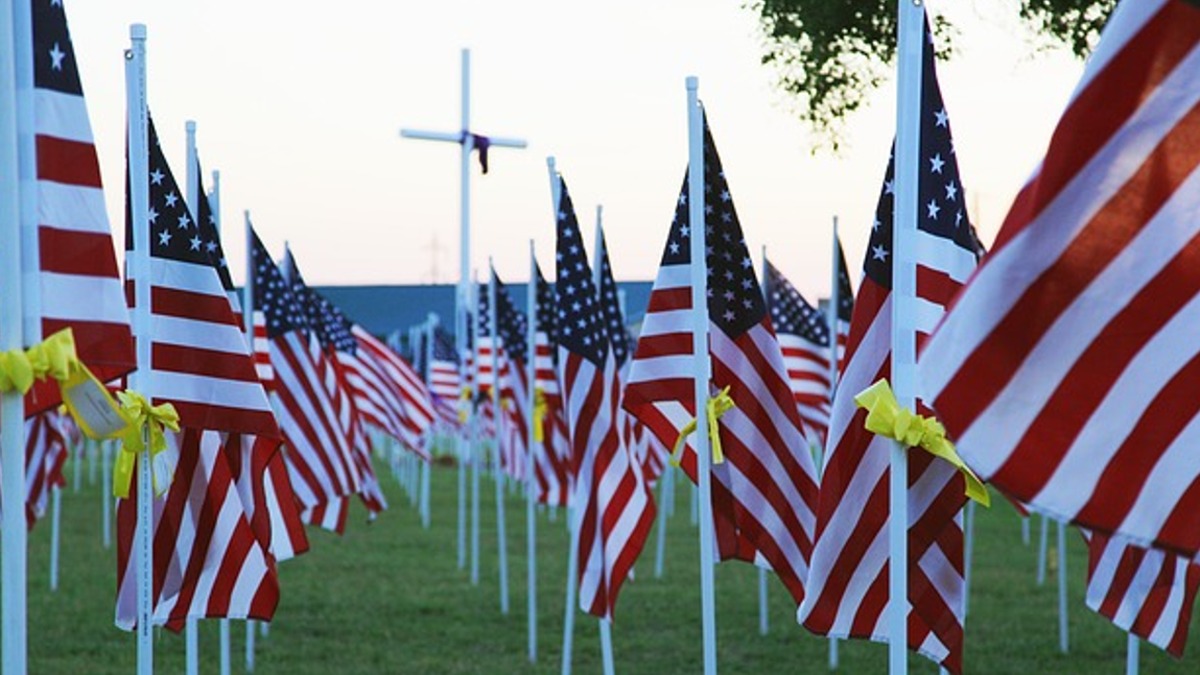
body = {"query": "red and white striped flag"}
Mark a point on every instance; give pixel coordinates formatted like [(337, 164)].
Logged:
[(79, 284), (1069, 370), (320, 454), (804, 338), (765, 491), (216, 561), (329, 338), (1147, 592), (848, 582), (612, 508), (444, 384)]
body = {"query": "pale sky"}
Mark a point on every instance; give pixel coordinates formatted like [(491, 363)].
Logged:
[(299, 106)]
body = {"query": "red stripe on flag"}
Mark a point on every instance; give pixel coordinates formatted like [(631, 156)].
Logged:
[(69, 162), (75, 252)]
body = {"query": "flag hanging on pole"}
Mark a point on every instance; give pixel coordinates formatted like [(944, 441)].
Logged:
[(320, 456), (765, 490), (444, 386), (804, 338), (612, 507), (848, 582), (512, 328), (554, 462), (78, 282), (209, 526), (1067, 371)]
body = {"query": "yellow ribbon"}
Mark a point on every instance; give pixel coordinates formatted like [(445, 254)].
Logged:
[(714, 408), (539, 414), (84, 396), (886, 418), (141, 415), (464, 402), (54, 357)]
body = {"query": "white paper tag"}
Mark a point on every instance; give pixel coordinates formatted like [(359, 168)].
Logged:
[(94, 406)]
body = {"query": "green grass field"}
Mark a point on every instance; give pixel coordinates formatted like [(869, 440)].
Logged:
[(388, 598)]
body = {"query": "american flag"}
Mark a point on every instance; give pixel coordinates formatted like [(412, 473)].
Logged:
[(1067, 370), (848, 582), (353, 379), (211, 537), (79, 285), (644, 447), (512, 328), (845, 308), (804, 338), (554, 461), (764, 492), (612, 508), (45, 453), (444, 387), (320, 455), (1147, 592)]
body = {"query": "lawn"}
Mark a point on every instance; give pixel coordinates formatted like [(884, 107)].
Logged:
[(388, 597)]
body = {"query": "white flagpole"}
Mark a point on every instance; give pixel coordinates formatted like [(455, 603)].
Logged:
[(106, 498), (572, 533), (498, 423), (1043, 539), (700, 373), (1025, 530), (249, 646), (1132, 646), (968, 555), (660, 545), (54, 535), (910, 43), (763, 619), (426, 466), (1062, 587), (835, 290), (606, 650), (598, 251), (191, 631), (531, 304), (248, 327), (473, 448), (138, 266), (13, 535)]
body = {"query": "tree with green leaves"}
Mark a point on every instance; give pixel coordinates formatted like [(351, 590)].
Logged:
[(831, 54)]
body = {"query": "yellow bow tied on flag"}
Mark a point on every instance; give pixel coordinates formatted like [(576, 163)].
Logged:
[(144, 417), (886, 418), (539, 414), (84, 396), (53, 357), (714, 408)]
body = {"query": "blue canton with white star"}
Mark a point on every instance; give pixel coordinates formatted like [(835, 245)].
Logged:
[(273, 294), (581, 325), (510, 323), (941, 207), (331, 327), (735, 302), (609, 301), (791, 313), (174, 235), (845, 294), (443, 346), (54, 64)]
